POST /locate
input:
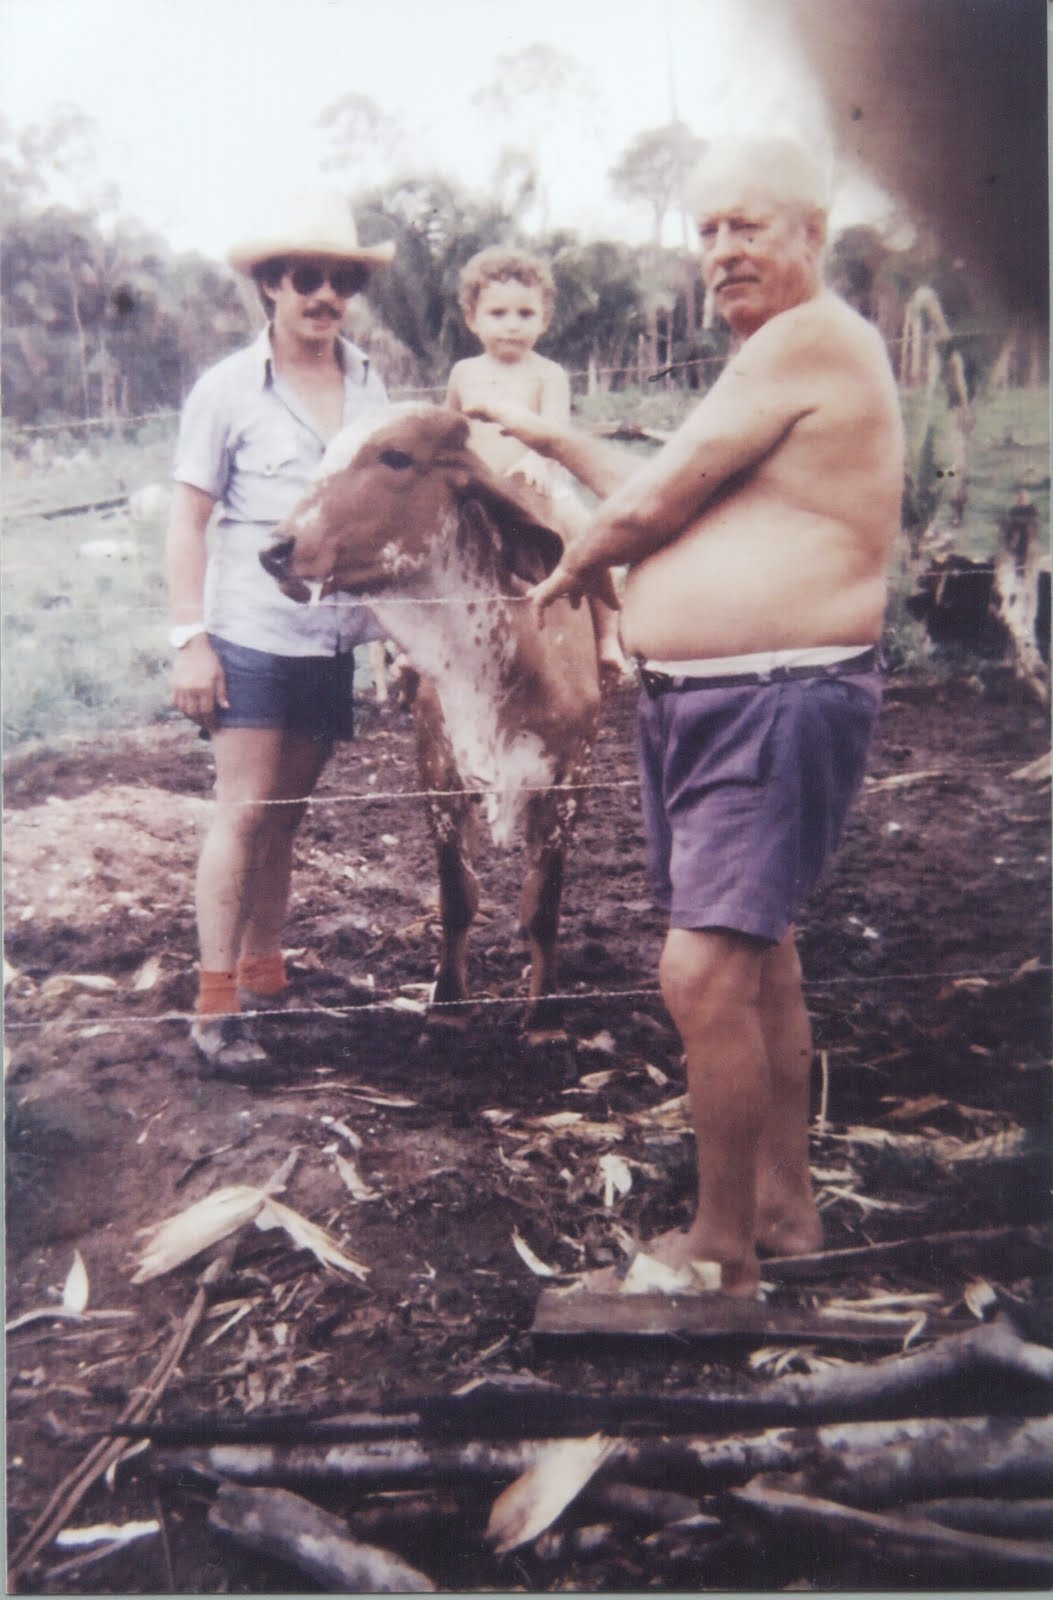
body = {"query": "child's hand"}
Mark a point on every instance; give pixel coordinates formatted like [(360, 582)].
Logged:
[(535, 473)]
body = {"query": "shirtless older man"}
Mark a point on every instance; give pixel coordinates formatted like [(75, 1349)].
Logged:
[(757, 540)]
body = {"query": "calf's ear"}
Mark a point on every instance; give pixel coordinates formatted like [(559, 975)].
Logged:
[(523, 541)]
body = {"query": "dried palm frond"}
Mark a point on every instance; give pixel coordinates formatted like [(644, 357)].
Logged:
[(353, 1179), (308, 1236), (779, 1359), (980, 1298), (616, 1178), (540, 1268), (189, 1232), (1006, 1145), (534, 1501), (75, 1291), (670, 1114)]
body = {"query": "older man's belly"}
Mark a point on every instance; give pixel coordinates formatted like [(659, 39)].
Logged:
[(737, 584)]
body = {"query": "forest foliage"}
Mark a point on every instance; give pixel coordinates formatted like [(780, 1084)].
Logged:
[(102, 319)]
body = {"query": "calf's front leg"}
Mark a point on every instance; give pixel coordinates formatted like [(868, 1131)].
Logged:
[(451, 818), (548, 824)]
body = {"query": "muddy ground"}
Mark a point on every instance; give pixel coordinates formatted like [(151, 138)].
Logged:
[(111, 1126)]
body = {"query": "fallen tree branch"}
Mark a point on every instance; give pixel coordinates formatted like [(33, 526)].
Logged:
[(880, 1463), (952, 1375), (275, 1523), (109, 1449), (879, 1460), (911, 1543), (1009, 1519), (1016, 1251), (70, 1492)]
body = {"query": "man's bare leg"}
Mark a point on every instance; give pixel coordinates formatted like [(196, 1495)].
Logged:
[(787, 1221), (246, 859), (711, 983)]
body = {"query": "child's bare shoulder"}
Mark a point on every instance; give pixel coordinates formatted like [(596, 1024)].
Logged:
[(545, 368), (466, 367)]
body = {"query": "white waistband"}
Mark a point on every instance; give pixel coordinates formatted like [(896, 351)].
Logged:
[(822, 655)]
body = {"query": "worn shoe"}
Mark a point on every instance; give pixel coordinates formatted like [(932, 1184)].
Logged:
[(228, 1048), (253, 1000)]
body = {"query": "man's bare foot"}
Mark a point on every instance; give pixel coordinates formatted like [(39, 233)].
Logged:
[(676, 1263), (786, 1233)]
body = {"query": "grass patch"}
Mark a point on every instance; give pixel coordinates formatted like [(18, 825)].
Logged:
[(85, 639)]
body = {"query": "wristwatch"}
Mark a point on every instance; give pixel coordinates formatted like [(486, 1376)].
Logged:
[(184, 633)]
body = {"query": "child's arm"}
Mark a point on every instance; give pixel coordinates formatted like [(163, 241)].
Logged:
[(554, 406), (454, 398), (555, 395)]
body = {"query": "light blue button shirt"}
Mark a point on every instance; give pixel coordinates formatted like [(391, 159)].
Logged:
[(246, 440)]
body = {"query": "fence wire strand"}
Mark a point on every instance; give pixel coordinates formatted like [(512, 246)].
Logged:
[(396, 1002)]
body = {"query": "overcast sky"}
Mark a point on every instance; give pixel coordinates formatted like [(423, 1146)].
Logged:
[(209, 108)]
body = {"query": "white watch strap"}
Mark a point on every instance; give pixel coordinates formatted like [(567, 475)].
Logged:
[(183, 634)]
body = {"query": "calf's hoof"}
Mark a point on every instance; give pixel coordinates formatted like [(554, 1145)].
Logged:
[(542, 1036), (453, 1017)]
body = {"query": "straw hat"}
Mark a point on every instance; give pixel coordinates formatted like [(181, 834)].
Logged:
[(318, 222)]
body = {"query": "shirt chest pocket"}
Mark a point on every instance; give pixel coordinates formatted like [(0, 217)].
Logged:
[(268, 476), (264, 455)]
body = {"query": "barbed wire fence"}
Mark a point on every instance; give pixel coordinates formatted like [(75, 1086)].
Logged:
[(595, 379), (582, 380)]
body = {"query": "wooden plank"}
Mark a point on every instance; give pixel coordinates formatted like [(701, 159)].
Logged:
[(704, 1317)]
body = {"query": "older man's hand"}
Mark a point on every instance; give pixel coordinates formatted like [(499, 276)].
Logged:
[(559, 584), (519, 421), (567, 581)]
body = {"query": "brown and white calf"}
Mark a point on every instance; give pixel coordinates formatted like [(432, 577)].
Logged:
[(506, 712)]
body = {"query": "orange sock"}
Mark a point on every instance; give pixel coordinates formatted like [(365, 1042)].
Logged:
[(263, 974), (217, 993)]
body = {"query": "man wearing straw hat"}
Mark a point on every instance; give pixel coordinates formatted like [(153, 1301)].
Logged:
[(268, 679)]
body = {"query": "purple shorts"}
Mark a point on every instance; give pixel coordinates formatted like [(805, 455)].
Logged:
[(745, 794)]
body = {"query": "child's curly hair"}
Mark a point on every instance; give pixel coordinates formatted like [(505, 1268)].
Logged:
[(498, 265)]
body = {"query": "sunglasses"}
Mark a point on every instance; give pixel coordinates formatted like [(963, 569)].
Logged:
[(308, 276)]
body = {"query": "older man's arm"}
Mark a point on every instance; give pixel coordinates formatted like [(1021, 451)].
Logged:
[(600, 466), (767, 387)]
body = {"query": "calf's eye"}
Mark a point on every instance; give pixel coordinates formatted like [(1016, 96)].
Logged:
[(397, 459)]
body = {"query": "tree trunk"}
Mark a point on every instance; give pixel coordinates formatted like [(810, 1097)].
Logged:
[(1015, 595), (913, 1546), (1038, 361), (82, 341)]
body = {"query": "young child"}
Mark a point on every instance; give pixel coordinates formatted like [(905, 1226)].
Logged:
[(507, 298)]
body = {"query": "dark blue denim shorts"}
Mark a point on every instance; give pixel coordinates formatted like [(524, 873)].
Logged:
[(312, 695), (745, 794)]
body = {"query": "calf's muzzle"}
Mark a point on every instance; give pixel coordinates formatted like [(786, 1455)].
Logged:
[(275, 560)]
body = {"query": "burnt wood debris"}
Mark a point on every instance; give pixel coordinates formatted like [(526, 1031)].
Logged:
[(942, 1456)]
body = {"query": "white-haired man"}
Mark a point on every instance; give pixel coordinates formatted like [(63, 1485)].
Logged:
[(757, 541), (268, 679)]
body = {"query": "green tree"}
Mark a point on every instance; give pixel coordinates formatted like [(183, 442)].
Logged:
[(652, 170), (365, 140), (531, 93), (437, 225), (598, 314)]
